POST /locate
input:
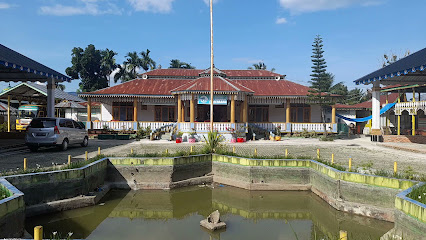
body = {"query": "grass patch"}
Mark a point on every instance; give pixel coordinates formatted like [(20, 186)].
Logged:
[(409, 174), (333, 165), (418, 194), (4, 192)]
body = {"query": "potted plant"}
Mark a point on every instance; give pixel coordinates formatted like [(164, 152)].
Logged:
[(233, 134), (191, 137), (179, 137), (278, 133)]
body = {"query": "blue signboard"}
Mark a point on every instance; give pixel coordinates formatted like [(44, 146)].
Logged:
[(217, 99)]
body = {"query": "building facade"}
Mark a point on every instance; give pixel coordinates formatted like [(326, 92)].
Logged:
[(260, 98)]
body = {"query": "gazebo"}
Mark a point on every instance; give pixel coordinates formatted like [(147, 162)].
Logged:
[(407, 73), (15, 67)]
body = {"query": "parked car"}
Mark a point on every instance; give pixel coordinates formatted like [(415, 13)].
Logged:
[(59, 132)]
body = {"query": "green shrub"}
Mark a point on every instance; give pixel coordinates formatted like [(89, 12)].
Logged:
[(212, 142), (418, 194)]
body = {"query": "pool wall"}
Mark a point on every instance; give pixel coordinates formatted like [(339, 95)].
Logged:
[(12, 211), (373, 196)]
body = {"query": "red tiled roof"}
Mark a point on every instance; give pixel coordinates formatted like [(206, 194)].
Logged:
[(368, 104), (143, 87), (250, 73), (175, 72), (195, 72), (219, 84), (274, 87)]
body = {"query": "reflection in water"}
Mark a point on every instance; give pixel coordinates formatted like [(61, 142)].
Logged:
[(157, 214)]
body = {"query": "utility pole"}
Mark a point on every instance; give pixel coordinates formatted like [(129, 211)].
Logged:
[(211, 65)]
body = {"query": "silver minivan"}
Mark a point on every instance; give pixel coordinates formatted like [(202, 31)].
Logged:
[(58, 132)]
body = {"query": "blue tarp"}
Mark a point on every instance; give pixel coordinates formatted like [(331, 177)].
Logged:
[(365, 119)]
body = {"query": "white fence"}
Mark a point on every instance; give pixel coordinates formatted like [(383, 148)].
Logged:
[(272, 126), (409, 106), (317, 127), (205, 127), (128, 125)]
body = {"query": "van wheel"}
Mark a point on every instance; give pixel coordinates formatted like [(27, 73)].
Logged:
[(33, 149), (85, 142), (64, 145)]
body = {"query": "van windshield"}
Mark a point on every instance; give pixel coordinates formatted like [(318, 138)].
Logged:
[(43, 123)]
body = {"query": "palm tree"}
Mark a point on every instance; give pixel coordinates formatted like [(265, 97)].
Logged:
[(129, 69), (260, 66), (108, 64), (60, 86), (147, 62), (176, 63)]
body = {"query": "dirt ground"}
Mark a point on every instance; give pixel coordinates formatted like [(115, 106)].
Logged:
[(362, 151)]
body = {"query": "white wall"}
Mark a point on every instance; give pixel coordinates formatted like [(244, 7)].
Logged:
[(276, 114), (147, 115), (316, 114), (106, 112)]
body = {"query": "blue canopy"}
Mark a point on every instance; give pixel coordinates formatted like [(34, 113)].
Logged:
[(365, 119)]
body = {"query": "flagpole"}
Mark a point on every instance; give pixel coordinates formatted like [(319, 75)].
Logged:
[(211, 65)]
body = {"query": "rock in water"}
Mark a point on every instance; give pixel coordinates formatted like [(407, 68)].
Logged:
[(213, 222), (214, 217)]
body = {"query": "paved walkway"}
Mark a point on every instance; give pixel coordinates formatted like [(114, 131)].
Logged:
[(409, 147)]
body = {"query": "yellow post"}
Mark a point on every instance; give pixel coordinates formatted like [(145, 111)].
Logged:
[(192, 109), (69, 159), (131, 150), (343, 235), (318, 153), (233, 149), (232, 109), (413, 117), (395, 167), (38, 233), (179, 108), (332, 158), (286, 152), (192, 149), (387, 113), (8, 113), (333, 114), (350, 164), (25, 164), (183, 112), (99, 150), (287, 111), (135, 110), (89, 109), (399, 116), (245, 109), (86, 156), (167, 151), (255, 152)]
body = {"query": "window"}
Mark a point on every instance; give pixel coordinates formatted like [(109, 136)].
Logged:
[(77, 125), (122, 111), (300, 113), (259, 114), (43, 123), (165, 114)]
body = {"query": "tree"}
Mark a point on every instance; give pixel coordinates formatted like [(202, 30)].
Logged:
[(321, 81), (388, 59), (146, 61), (87, 66), (355, 96), (176, 63), (60, 86), (260, 66), (108, 64), (130, 68)]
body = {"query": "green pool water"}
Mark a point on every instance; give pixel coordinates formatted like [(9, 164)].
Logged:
[(175, 214)]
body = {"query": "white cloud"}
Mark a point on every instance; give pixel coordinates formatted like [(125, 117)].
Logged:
[(281, 20), (4, 5), (207, 2), (301, 6), (83, 7), (160, 6)]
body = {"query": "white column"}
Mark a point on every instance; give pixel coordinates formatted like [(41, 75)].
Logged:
[(375, 122), (50, 97)]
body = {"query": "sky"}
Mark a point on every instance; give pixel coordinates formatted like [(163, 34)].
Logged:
[(356, 33)]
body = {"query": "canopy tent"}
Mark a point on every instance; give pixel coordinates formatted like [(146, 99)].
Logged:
[(36, 92), (409, 70), (365, 119)]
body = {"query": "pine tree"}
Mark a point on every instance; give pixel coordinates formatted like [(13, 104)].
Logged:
[(321, 81)]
